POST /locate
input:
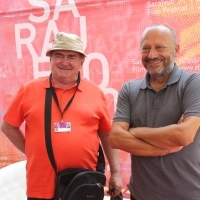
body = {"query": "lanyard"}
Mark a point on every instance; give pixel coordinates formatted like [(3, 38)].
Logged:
[(55, 96)]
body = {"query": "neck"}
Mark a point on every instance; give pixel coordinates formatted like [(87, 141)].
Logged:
[(158, 83), (63, 84)]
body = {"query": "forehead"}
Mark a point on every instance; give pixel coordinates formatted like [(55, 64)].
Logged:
[(65, 52), (153, 36)]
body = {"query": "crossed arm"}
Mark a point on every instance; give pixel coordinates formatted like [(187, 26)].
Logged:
[(144, 141)]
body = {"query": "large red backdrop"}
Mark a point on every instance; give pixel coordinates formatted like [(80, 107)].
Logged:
[(110, 30)]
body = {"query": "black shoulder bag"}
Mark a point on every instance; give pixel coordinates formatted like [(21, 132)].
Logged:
[(74, 183)]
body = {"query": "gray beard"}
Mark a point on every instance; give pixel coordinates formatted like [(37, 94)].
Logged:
[(168, 67)]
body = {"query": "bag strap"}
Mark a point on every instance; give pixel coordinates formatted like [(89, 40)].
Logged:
[(48, 100)]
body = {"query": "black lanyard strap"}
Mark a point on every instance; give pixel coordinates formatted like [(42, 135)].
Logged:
[(55, 96)]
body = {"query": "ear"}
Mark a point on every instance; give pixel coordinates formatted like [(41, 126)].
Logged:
[(177, 49), (82, 60)]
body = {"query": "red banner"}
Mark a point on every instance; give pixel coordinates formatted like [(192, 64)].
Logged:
[(110, 30)]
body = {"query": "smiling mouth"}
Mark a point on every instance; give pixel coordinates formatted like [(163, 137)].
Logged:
[(154, 61), (64, 68)]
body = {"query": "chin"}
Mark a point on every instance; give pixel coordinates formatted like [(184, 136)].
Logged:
[(64, 73), (156, 73)]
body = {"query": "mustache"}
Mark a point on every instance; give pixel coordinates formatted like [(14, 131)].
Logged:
[(154, 60)]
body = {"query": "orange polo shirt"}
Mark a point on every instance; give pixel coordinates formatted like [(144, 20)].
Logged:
[(87, 113)]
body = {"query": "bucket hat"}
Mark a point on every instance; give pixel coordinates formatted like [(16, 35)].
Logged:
[(66, 41)]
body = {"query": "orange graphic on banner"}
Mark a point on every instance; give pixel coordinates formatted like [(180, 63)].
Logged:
[(110, 30)]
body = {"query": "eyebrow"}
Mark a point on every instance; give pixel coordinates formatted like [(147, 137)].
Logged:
[(68, 55)]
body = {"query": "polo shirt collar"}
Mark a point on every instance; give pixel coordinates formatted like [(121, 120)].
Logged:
[(80, 87), (174, 77)]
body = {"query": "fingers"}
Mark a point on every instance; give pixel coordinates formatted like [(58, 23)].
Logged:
[(114, 192), (175, 149), (181, 119)]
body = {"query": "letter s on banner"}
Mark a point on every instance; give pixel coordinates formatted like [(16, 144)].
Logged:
[(42, 4)]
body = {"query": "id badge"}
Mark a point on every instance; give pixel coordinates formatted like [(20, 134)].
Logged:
[(62, 126)]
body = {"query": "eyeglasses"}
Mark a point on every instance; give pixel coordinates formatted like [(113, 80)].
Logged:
[(157, 48)]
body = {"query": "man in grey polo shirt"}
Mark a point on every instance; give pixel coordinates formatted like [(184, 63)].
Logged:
[(157, 121)]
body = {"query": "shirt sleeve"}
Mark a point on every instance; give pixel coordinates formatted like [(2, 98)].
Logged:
[(105, 121), (123, 107), (14, 114), (191, 97)]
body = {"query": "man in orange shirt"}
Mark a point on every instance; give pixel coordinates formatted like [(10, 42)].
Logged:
[(77, 103)]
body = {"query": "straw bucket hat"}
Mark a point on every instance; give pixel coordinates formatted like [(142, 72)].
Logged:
[(66, 41)]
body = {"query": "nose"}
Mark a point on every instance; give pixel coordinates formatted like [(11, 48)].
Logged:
[(152, 53), (65, 60)]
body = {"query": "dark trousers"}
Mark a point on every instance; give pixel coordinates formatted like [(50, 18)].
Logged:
[(37, 199), (132, 198)]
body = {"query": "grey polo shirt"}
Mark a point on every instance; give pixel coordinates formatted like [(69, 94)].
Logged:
[(174, 176)]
